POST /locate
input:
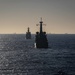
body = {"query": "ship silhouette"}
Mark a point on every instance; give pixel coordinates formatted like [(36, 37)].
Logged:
[(28, 34), (41, 38)]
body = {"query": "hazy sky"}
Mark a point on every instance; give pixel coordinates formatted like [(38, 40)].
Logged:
[(17, 15)]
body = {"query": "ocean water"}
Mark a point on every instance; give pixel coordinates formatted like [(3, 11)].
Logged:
[(19, 57)]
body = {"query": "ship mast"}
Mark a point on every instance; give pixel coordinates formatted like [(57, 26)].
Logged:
[(28, 29), (41, 25)]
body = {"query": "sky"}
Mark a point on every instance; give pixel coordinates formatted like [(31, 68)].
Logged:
[(17, 15)]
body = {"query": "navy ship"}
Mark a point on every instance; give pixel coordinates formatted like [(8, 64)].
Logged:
[(28, 34), (41, 38)]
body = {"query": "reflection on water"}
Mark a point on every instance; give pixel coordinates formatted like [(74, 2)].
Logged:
[(19, 57)]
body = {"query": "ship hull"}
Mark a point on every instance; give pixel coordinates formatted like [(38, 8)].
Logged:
[(41, 41), (28, 35)]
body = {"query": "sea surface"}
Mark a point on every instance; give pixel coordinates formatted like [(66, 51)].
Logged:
[(19, 57)]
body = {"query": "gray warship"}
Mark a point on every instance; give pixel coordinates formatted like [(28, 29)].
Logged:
[(41, 38), (28, 34)]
